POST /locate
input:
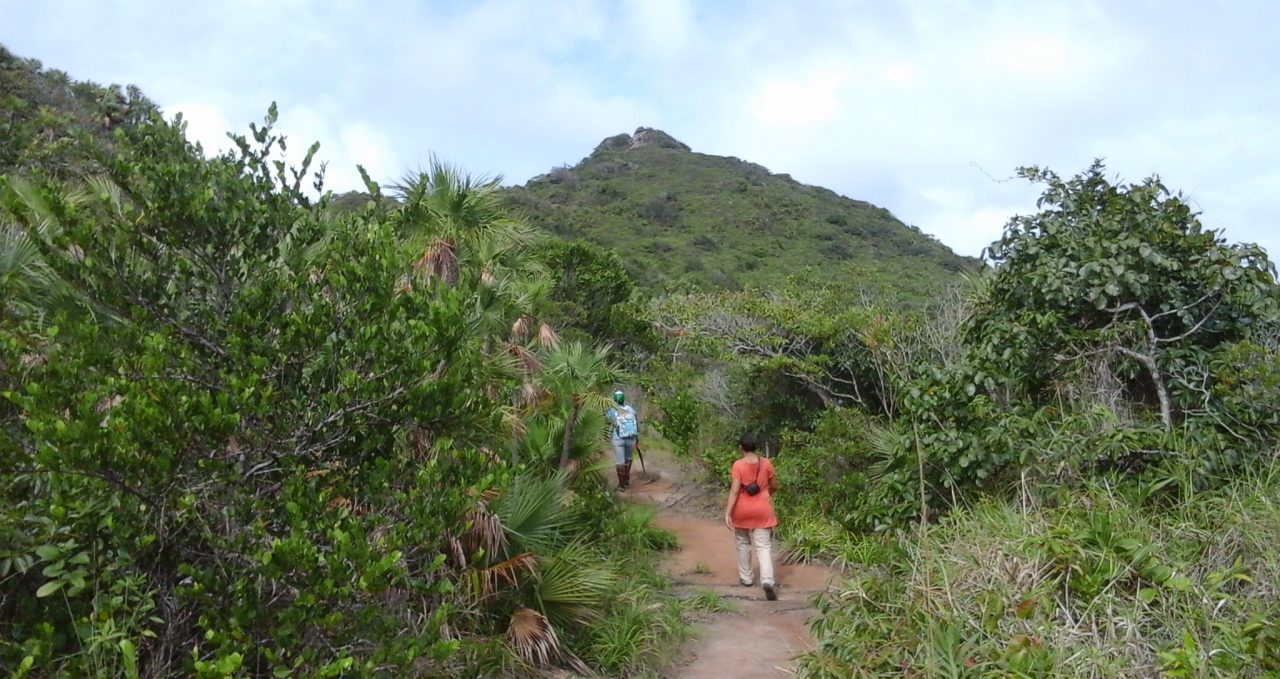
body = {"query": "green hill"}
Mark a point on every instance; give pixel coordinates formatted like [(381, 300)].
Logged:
[(52, 123), (691, 220)]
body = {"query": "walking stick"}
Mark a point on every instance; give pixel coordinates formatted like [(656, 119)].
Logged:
[(641, 456)]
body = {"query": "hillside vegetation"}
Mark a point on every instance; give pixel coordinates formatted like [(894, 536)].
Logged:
[(51, 122), (690, 221)]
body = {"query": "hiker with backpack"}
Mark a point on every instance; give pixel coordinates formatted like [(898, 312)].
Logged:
[(624, 435), (749, 513)]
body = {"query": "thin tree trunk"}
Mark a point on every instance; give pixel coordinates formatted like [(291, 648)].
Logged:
[(1148, 361), (569, 425)]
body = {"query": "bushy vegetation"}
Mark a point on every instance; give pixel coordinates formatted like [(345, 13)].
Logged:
[(52, 123), (1114, 339), (245, 434), (1112, 580)]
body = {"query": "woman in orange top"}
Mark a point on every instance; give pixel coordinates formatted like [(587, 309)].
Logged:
[(749, 513)]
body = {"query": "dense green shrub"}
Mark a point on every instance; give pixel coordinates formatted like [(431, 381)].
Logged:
[(680, 421), (259, 438)]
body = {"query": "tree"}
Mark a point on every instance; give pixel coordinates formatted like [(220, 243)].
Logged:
[(809, 347), (579, 375), (591, 289), (456, 216), (1114, 270)]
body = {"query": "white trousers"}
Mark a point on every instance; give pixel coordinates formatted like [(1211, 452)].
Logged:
[(762, 540)]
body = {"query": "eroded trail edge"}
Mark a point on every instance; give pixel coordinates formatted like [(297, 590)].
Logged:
[(760, 638)]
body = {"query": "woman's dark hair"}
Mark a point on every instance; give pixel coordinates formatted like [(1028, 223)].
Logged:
[(749, 442)]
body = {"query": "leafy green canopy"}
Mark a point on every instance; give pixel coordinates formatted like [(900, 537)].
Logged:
[(594, 294), (255, 437), (1114, 268), (1113, 334)]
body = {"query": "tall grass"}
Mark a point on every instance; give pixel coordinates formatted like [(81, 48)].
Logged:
[(1124, 581)]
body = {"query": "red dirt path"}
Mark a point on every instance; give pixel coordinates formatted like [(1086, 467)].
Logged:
[(761, 638)]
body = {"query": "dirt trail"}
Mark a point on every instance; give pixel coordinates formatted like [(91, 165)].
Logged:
[(761, 637)]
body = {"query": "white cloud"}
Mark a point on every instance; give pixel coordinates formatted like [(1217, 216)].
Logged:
[(900, 103), (814, 98), (206, 125)]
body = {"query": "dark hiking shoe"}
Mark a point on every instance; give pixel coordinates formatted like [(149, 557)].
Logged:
[(769, 592)]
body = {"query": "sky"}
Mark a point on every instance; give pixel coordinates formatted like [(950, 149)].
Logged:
[(925, 107)]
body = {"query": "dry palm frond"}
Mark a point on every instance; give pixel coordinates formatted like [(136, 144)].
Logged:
[(440, 260), (572, 467), (520, 329), (531, 395), (487, 278), (484, 531), (528, 362), (507, 572), (532, 637), (340, 502), (547, 337), (491, 391), (456, 553)]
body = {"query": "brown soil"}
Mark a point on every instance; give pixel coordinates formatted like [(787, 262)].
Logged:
[(759, 639)]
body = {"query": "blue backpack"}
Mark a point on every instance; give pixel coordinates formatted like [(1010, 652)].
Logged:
[(624, 422)]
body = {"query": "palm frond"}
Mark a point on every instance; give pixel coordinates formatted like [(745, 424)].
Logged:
[(484, 532), (439, 261), (573, 585), (532, 637), (520, 329), (26, 279), (530, 395), (889, 447), (108, 194), (534, 514), (544, 434), (512, 422), (547, 337), (528, 361), (506, 572)]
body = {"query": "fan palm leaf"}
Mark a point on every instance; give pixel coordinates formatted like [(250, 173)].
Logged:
[(573, 585), (532, 637), (25, 277), (544, 437), (547, 337), (889, 449), (534, 514), (484, 532)]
